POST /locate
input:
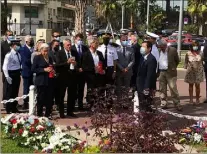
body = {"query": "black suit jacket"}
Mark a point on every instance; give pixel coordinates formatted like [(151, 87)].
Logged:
[(147, 76), (62, 67), (53, 54), (87, 62), (5, 48), (83, 47), (42, 77), (137, 57)]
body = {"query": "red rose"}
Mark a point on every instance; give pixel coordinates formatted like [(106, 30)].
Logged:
[(13, 121), (36, 121), (32, 130), (59, 151), (13, 130), (21, 131), (42, 128)]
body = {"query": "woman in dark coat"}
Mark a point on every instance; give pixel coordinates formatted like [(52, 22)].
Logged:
[(43, 67)]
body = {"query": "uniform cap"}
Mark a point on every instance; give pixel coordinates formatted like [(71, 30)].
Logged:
[(152, 35)]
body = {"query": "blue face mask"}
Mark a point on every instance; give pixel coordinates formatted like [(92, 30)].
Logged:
[(143, 51), (79, 42), (195, 48), (17, 48), (57, 38), (10, 38), (124, 43)]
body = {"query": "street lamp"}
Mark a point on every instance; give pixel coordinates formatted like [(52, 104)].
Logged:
[(148, 5), (15, 21), (30, 18), (180, 28)]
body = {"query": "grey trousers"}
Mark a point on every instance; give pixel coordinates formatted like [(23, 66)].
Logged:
[(166, 80), (122, 80)]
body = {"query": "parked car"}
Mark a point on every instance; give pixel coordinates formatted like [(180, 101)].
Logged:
[(167, 32), (201, 41)]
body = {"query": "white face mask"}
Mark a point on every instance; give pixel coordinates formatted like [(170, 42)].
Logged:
[(79, 42), (57, 38)]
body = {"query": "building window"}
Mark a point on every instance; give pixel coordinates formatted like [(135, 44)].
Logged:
[(54, 12), (34, 12)]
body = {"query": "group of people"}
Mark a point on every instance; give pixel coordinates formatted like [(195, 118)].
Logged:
[(55, 67)]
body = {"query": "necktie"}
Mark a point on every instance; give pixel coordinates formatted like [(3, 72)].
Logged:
[(20, 63), (124, 51), (68, 55), (79, 51), (106, 57)]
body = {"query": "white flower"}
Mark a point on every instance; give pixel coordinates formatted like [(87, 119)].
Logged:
[(39, 127), (43, 145), (25, 133), (197, 137), (39, 137), (15, 126), (35, 147)]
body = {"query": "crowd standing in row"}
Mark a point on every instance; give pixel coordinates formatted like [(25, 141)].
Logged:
[(56, 67)]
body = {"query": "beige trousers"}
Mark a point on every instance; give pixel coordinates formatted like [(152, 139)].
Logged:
[(164, 80)]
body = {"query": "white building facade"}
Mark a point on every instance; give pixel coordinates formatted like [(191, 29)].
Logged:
[(52, 14)]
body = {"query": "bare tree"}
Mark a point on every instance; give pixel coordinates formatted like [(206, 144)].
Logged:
[(80, 7)]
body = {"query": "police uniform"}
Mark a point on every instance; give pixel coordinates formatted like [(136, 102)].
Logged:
[(12, 71), (110, 54), (155, 51)]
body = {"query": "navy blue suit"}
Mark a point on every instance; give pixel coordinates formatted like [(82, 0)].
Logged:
[(146, 80), (26, 69)]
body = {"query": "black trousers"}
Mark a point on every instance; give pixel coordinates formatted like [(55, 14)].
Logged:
[(12, 90), (109, 73), (27, 82), (71, 86), (206, 82), (93, 81), (80, 89), (145, 102), (45, 98), (4, 86)]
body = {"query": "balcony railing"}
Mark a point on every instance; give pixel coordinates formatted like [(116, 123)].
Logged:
[(26, 1)]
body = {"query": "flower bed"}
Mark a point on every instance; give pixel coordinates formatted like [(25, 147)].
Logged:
[(195, 134), (38, 133)]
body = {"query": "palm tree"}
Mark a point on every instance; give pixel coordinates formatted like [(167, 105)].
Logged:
[(198, 10)]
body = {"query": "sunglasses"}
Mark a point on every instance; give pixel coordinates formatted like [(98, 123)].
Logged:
[(57, 36)]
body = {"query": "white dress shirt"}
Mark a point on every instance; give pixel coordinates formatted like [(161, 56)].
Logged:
[(95, 58), (163, 61), (30, 48), (78, 48), (11, 62), (111, 54), (66, 52), (155, 52)]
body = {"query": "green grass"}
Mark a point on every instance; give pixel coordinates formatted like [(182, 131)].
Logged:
[(201, 148), (11, 146), (181, 64)]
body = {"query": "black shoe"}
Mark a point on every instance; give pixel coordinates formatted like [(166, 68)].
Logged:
[(26, 106), (205, 101), (62, 116), (81, 109), (72, 115)]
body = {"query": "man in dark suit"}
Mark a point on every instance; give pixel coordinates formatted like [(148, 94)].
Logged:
[(66, 66), (92, 64), (55, 46), (26, 52), (80, 49), (146, 77), (137, 57), (5, 48)]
